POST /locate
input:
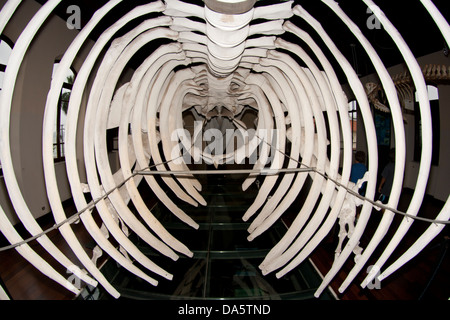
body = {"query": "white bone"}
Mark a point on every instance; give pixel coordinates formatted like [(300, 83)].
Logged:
[(91, 131), (3, 295), (399, 141), (125, 140), (341, 104), (142, 99), (183, 24), (432, 231), (228, 22), (115, 107), (276, 162), (151, 116), (16, 197), (276, 11), (100, 144), (300, 179), (225, 38), (425, 163), (30, 255), (72, 118), (363, 102), (167, 114), (7, 11), (319, 147), (182, 9)]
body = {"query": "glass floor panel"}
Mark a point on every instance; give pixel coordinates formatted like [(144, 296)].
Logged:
[(225, 264)]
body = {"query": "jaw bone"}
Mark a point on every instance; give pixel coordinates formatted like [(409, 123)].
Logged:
[(219, 67)]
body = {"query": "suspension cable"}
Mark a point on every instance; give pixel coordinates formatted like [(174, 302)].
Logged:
[(147, 171), (352, 192)]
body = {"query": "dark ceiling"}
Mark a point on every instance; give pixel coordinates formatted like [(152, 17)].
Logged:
[(408, 16)]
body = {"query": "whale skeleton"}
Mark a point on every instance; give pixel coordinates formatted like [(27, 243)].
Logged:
[(216, 66)]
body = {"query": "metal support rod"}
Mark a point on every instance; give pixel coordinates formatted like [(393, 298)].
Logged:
[(243, 171)]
